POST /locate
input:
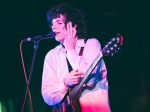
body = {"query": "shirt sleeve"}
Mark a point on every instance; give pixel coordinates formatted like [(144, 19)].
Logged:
[(91, 51), (52, 90)]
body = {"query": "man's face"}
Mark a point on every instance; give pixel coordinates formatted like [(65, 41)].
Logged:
[(58, 25)]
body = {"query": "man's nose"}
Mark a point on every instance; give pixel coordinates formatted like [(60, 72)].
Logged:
[(54, 27)]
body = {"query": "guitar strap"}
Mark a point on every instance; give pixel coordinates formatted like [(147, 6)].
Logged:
[(80, 54)]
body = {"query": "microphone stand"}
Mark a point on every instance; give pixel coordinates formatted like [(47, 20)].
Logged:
[(36, 43)]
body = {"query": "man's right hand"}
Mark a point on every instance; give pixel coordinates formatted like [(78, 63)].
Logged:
[(73, 78)]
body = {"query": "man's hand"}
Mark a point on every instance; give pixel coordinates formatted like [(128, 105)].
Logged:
[(70, 36), (73, 78)]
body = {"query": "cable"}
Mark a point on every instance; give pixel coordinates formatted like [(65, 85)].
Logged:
[(27, 82)]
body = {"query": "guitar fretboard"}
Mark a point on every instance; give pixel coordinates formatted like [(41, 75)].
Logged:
[(85, 76)]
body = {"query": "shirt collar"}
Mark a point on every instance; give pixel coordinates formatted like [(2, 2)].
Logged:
[(80, 43)]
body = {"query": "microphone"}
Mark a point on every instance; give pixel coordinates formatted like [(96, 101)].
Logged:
[(40, 37)]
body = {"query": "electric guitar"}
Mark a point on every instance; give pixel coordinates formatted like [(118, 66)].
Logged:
[(112, 47)]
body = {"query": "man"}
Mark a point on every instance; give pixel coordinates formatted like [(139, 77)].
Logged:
[(69, 25)]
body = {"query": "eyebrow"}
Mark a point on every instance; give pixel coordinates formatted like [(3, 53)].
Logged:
[(56, 20)]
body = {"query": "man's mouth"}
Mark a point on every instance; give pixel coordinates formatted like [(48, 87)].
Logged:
[(57, 33)]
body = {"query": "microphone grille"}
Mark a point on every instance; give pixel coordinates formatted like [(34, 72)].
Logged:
[(52, 34)]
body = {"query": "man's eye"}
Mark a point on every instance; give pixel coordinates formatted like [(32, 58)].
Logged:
[(59, 23)]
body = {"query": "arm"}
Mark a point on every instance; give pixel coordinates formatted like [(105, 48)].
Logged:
[(82, 63), (52, 90)]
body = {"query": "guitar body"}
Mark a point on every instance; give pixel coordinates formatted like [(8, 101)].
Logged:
[(57, 108), (75, 105), (75, 101)]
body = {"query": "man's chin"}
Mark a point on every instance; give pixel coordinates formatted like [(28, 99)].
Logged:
[(59, 39)]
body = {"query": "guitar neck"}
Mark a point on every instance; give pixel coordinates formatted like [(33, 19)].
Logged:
[(110, 48), (85, 77)]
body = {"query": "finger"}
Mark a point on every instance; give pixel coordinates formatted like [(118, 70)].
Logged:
[(76, 82), (77, 74), (68, 29), (75, 70), (64, 32), (71, 30), (73, 81), (74, 32), (76, 77), (81, 73)]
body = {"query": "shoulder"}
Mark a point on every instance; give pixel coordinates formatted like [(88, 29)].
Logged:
[(93, 41), (53, 52)]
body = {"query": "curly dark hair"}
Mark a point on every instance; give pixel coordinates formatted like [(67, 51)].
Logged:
[(71, 13)]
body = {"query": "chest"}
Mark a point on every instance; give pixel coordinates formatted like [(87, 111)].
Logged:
[(61, 65)]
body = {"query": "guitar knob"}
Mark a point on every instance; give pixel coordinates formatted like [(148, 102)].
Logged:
[(113, 39), (115, 45), (106, 46), (111, 48), (108, 51), (119, 48)]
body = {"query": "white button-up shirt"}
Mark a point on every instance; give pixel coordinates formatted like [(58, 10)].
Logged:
[(94, 96)]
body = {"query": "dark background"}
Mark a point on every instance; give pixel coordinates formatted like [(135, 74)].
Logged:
[(128, 70)]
